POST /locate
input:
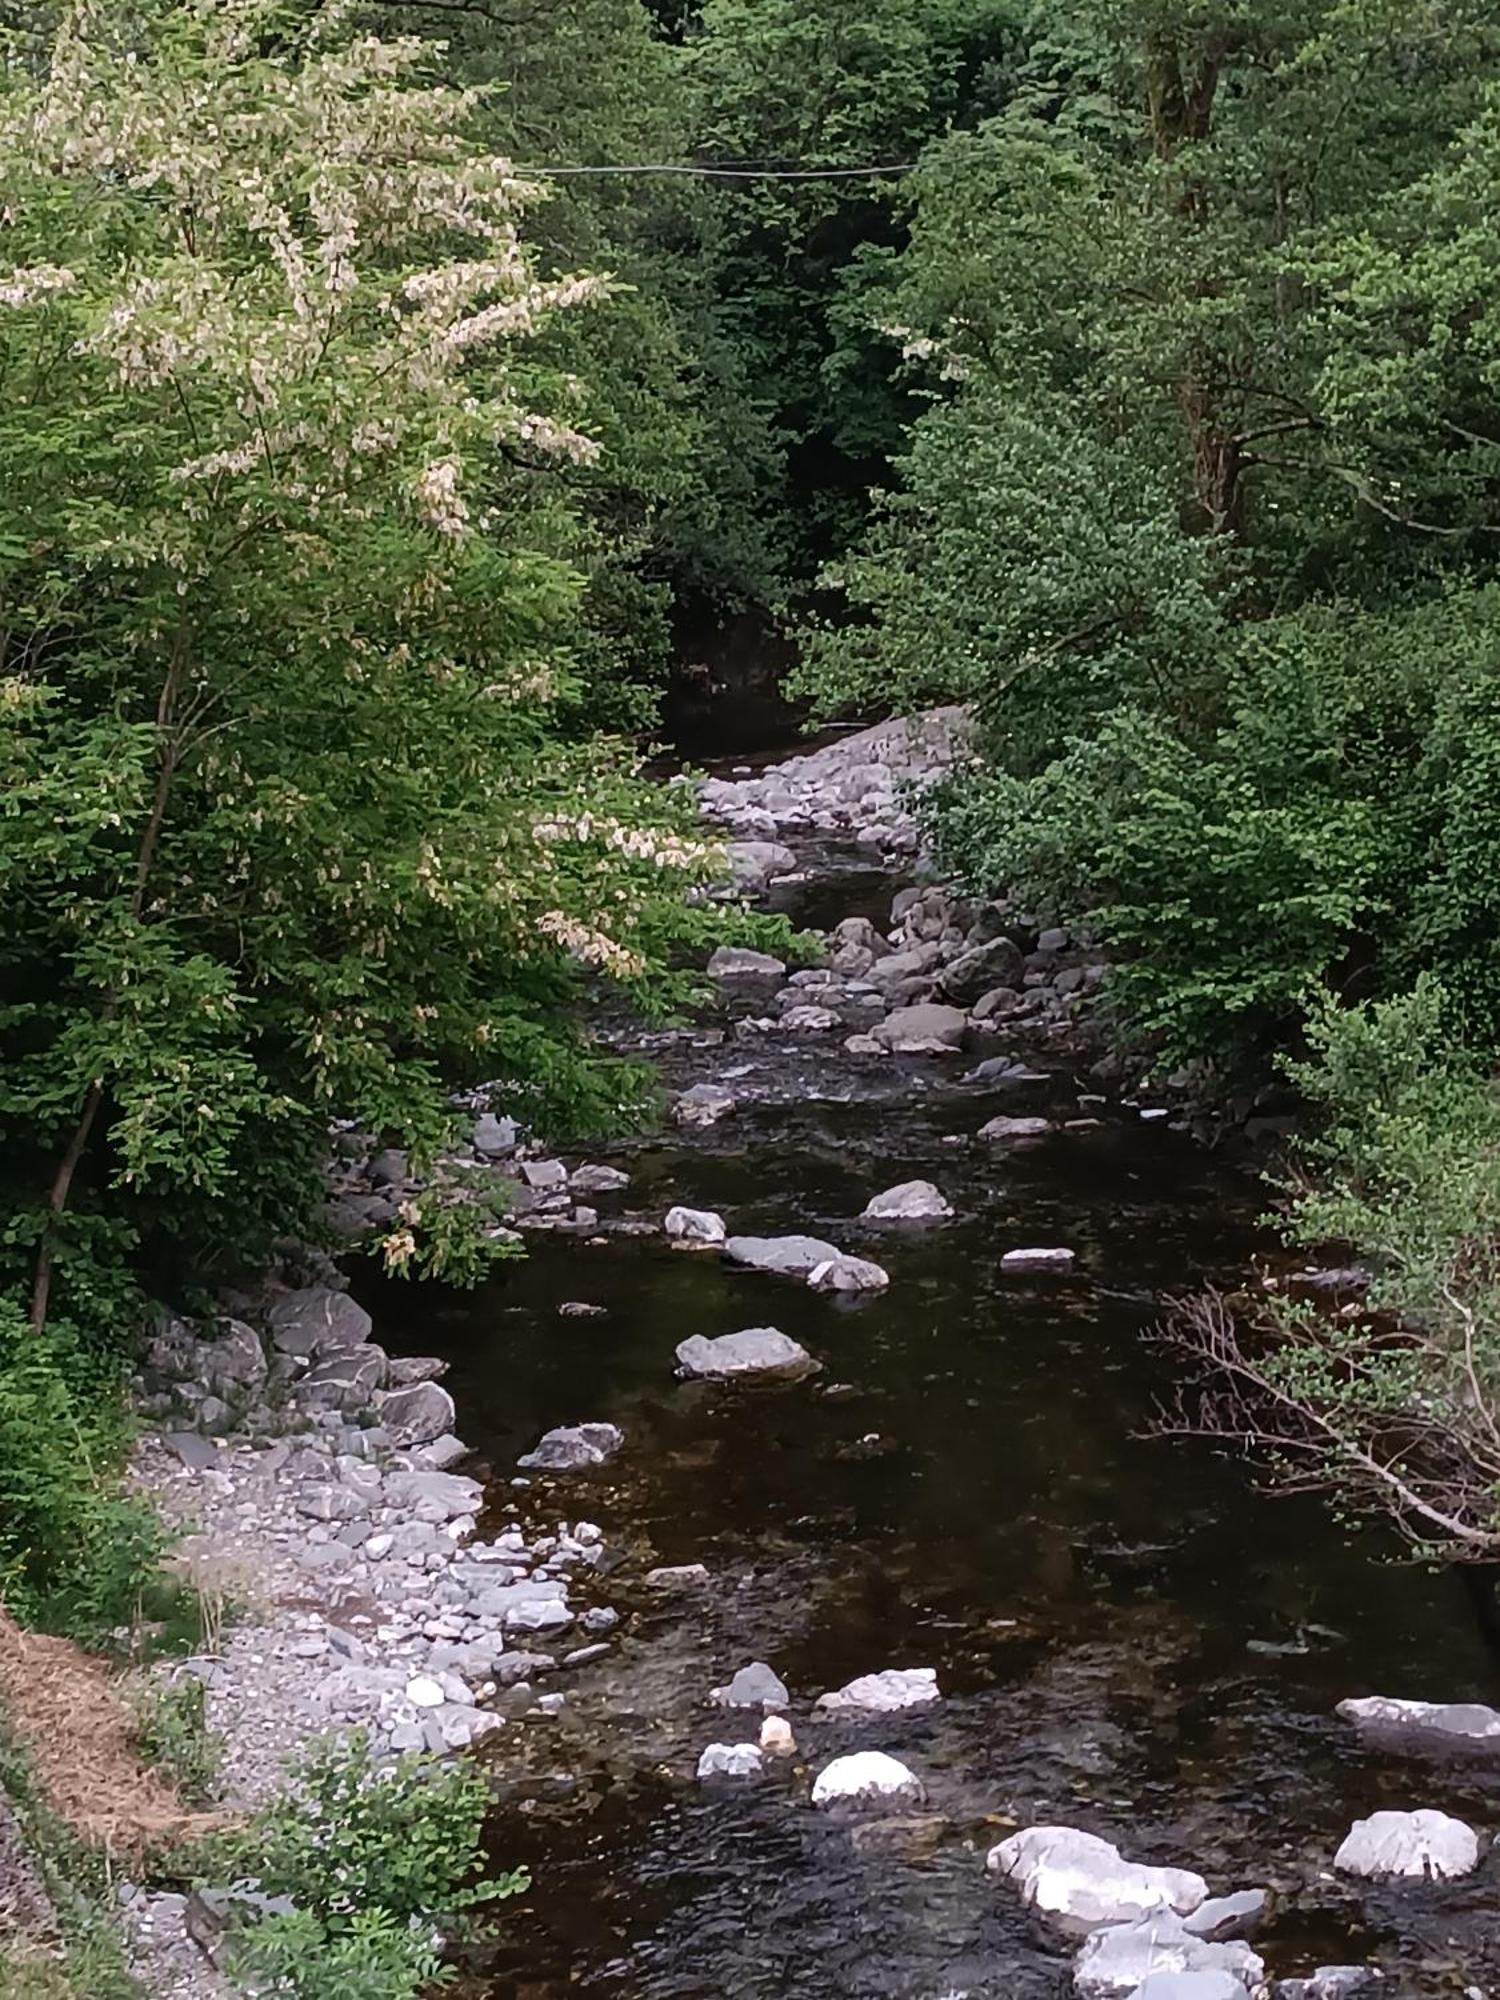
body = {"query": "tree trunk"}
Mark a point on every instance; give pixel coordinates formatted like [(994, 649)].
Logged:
[(168, 751)]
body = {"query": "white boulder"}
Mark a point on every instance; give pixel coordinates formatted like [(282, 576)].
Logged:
[(759, 1352), (695, 1225), (1084, 1881), (1423, 1844), (869, 1777), (730, 1760), (848, 1274), (1454, 1725), (885, 1693), (1038, 1260), (1117, 1959), (912, 1201)]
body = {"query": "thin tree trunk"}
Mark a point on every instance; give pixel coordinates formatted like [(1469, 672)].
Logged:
[(168, 752)]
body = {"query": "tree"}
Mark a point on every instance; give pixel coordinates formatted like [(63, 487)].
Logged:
[(285, 559)]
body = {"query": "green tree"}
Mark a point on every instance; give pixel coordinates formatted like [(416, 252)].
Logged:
[(287, 600)]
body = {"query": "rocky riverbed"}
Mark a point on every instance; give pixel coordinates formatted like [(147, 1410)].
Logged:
[(804, 1557)]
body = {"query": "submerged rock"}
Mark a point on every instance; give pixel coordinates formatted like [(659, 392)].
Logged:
[(912, 1201), (885, 1693), (1430, 1725), (730, 1760), (755, 1686), (695, 1225), (1117, 1959), (1038, 1260), (1012, 1129), (848, 1274), (1421, 1844), (570, 1447), (759, 1352), (784, 1256), (869, 1777), (1084, 1881)]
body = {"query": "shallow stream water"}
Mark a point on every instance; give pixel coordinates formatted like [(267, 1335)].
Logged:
[(1128, 1636)]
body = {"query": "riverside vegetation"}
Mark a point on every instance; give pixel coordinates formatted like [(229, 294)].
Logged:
[(357, 482)]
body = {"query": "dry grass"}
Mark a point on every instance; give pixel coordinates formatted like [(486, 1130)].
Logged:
[(73, 1720)]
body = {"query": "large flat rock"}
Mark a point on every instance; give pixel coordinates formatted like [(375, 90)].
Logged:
[(785, 1256), (758, 1353)]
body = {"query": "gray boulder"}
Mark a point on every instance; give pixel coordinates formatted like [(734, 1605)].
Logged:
[(755, 1686), (923, 1030), (739, 969), (1010, 1131), (754, 864), (347, 1380), (783, 1256), (980, 969), (1329, 1982), (449, 1491), (1429, 1725), (234, 1364), (912, 1201), (598, 1180), (416, 1415), (1117, 1959), (760, 1352), (571, 1447), (1422, 1844), (317, 1320), (495, 1137)]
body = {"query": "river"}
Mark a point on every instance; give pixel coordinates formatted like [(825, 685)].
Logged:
[(1128, 1636)]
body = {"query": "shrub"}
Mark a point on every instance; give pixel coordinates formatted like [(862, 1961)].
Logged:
[(76, 1552), (379, 1861)]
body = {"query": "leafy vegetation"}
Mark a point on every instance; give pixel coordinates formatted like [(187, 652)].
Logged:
[(380, 1863)]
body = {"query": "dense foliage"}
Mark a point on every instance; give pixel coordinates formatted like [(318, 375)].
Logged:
[(1201, 516), (379, 1863)]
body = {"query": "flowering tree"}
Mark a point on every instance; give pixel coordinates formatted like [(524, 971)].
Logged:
[(285, 603)]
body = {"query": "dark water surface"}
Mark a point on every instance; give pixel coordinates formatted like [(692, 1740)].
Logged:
[(1128, 1636)]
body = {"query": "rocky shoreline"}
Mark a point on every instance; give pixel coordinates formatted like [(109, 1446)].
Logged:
[(320, 1483)]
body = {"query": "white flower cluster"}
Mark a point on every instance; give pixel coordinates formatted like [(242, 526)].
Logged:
[(641, 843), (590, 946), (33, 282)]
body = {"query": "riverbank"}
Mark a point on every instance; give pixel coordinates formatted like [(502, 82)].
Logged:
[(955, 1489)]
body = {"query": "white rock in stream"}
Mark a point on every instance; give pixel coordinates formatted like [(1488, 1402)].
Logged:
[(1038, 1260), (730, 1760), (785, 1256), (1116, 1959), (1423, 1843), (1084, 1881), (912, 1201), (848, 1274), (1454, 1725), (695, 1225), (759, 1352), (869, 1777), (885, 1693)]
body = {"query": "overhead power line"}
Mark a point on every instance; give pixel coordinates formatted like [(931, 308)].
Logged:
[(733, 173)]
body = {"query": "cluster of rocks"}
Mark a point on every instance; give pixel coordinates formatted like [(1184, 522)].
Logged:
[(1155, 1933), (859, 786), (495, 1166), (858, 1779), (946, 976)]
